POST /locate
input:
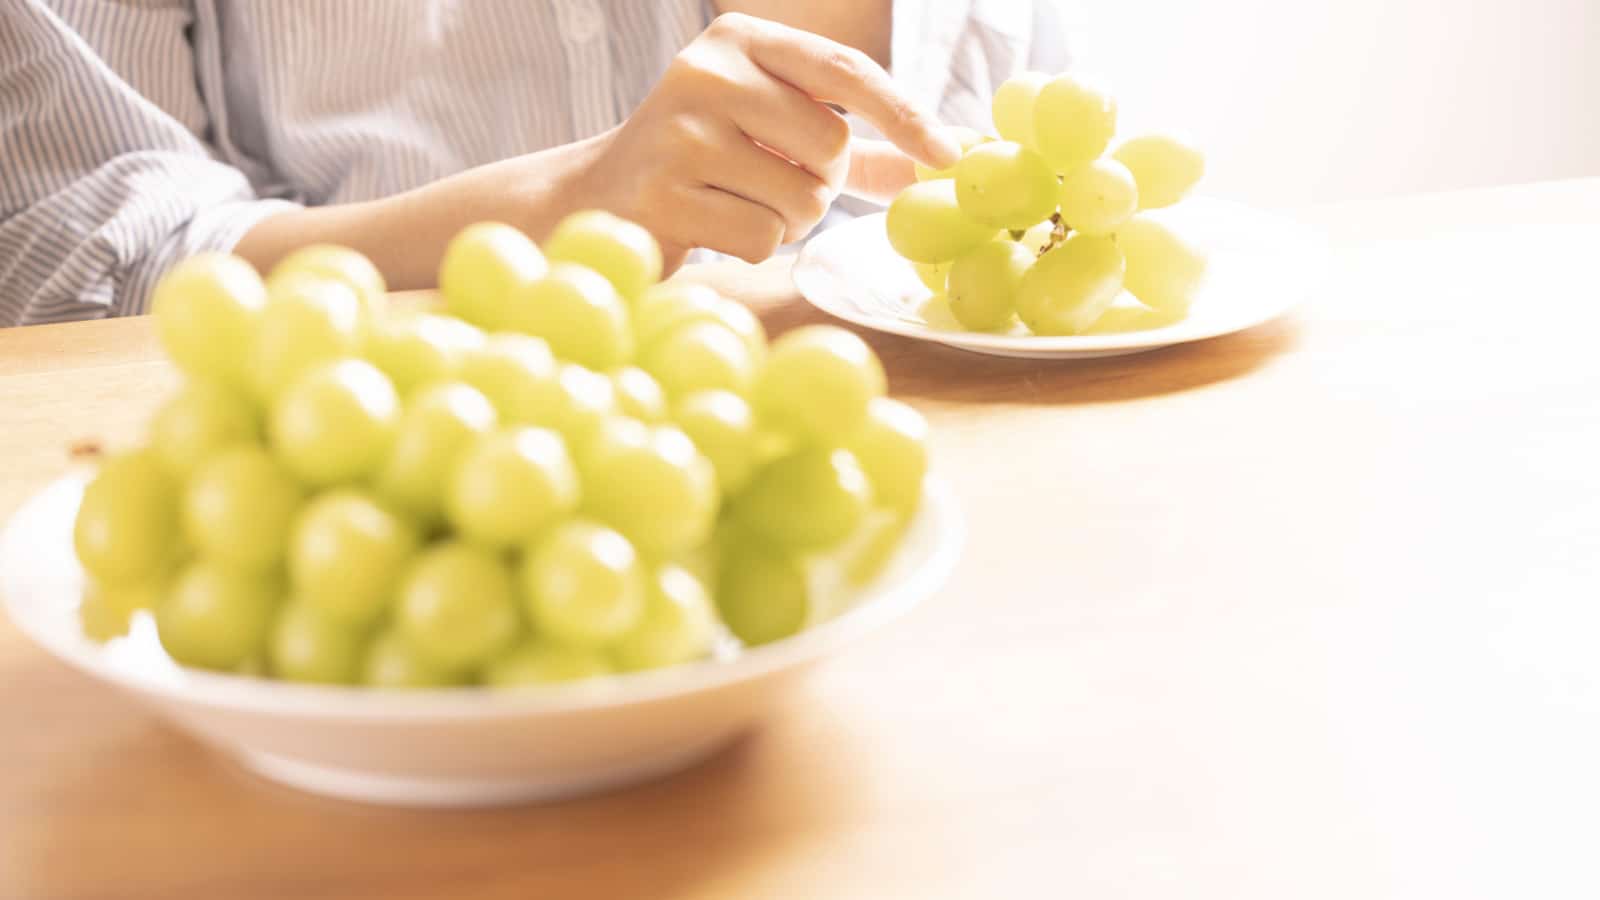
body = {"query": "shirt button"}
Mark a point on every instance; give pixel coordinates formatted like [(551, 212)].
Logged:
[(584, 25)]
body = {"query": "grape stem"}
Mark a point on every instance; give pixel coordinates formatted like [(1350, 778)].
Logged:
[(1057, 234)]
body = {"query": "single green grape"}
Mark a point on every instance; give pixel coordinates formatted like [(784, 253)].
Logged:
[(307, 645), (1163, 269), (307, 321), (510, 484), (1073, 122), (507, 368), (926, 223), (669, 306), (817, 383), (419, 349), (578, 312), (206, 310), (651, 484), (128, 528), (539, 661), (203, 418), (701, 356), (639, 396), (215, 616), (484, 266), (345, 553), (934, 275), (238, 507), (437, 426), (762, 593), (967, 138), (677, 626), (392, 663), (1098, 197), (874, 545), (1071, 286), (107, 609), (723, 428), (626, 254), (741, 321), (1166, 167), (574, 404), (983, 284), (892, 448), (1005, 185), (341, 264), (336, 423), (582, 584), (456, 605), (809, 500), (1013, 107)]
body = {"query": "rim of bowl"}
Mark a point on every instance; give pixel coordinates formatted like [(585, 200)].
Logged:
[(878, 605)]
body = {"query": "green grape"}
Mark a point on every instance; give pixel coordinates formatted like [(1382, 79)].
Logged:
[(1163, 269), (762, 593), (574, 403), (1073, 122), (625, 253), (437, 426), (701, 356), (306, 645), (926, 223), (456, 605), (651, 484), (967, 138), (741, 321), (203, 418), (1071, 286), (484, 266), (817, 383), (934, 275), (510, 484), (1013, 106), (508, 368), (678, 624), (983, 284), (345, 553), (582, 584), (667, 307), (1005, 185), (638, 395), (1038, 237), (127, 528), (306, 321), (341, 264), (238, 507), (537, 661), (206, 312), (1165, 167), (1135, 317), (107, 608), (419, 349), (578, 312), (336, 423), (892, 448), (1098, 197), (808, 500), (936, 314), (391, 662), (874, 545), (216, 617), (723, 428)]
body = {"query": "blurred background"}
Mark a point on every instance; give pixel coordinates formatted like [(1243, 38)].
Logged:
[(1327, 100)]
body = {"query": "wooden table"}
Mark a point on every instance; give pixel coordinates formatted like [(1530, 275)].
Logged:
[(1305, 612)]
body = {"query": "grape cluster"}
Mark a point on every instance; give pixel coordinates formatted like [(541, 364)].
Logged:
[(571, 470), (1042, 224)]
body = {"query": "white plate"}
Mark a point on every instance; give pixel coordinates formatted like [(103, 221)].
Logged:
[(464, 746), (1260, 266)]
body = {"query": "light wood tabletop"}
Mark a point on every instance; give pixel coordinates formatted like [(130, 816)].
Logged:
[(1303, 612)]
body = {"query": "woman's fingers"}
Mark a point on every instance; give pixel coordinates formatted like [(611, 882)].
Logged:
[(878, 170), (720, 221), (745, 170), (796, 127)]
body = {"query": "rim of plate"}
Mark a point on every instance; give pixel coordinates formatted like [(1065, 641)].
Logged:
[(1288, 235), (877, 605)]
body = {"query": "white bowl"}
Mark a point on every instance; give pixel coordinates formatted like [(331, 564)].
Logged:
[(1260, 266), (463, 746)]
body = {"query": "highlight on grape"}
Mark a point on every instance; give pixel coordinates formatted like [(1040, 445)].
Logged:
[(569, 469), (1047, 221)]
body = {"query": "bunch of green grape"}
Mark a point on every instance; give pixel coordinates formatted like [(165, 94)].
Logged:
[(572, 469), (1043, 223)]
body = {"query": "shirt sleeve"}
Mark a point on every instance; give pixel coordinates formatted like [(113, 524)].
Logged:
[(106, 178)]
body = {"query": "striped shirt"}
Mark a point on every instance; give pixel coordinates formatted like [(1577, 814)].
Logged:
[(134, 133)]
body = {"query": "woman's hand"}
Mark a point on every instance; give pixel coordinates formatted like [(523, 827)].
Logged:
[(738, 148)]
